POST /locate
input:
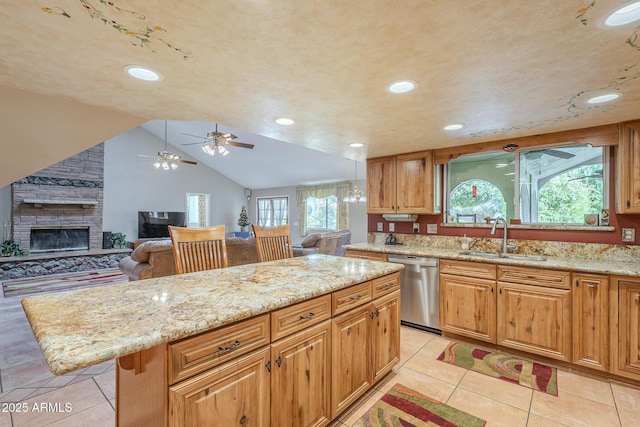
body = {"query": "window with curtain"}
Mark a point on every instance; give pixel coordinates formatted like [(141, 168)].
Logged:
[(273, 211), (197, 210), (312, 205)]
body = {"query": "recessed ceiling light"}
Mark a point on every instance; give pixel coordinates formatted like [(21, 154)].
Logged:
[(402, 86), (454, 126), (624, 15), (143, 73), (501, 165), (356, 144), (603, 98), (285, 121)]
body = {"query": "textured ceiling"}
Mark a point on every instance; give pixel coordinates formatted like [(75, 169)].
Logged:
[(504, 68)]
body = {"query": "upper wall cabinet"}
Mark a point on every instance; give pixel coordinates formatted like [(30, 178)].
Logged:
[(407, 183), (628, 170)]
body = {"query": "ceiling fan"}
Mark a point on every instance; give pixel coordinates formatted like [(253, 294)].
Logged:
[(216, 142), (165, 160), (595, 175)]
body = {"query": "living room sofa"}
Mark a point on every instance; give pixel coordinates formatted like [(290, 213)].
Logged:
[(155, 257), (328, 243)]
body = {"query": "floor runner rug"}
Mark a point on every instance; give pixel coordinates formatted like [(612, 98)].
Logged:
[(404, 407), (503, 366), (64, 281)]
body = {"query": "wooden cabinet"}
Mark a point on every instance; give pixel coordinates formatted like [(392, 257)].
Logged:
[(373, 256), (628, 328), (628, 168), (231, 394), (385, 348), (300, 386), (403, 184), (468, 299), (535, 317), (590, 300)]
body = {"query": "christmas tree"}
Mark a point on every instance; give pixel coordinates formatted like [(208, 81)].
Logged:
[(243, 221)]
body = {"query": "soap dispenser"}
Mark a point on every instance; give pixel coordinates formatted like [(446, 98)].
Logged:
[(465, 243)]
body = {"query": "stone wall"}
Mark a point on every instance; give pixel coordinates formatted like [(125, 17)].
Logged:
[(79, 178)]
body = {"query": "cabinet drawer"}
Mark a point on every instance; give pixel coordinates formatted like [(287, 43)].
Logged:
[(373, 256), (386, 284), (197, 354), (480, 270), (534, 276), (353, 296), (294, 318)]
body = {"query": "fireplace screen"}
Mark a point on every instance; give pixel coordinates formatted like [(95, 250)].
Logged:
[(59, 239)]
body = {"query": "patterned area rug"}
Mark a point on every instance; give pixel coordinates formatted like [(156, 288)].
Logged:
[(60, 282), (404, 407), (508, 368)]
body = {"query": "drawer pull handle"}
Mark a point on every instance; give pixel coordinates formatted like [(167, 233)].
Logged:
[(310, 316), (374, 314), (391, 284), (230, 346), (356, 298)]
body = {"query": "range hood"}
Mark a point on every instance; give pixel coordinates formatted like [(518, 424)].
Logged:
[(400, 217)]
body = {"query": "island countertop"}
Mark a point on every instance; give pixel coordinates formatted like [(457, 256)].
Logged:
[(80, 328)]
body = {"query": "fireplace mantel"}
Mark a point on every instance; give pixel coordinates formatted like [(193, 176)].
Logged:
[(42, 202)]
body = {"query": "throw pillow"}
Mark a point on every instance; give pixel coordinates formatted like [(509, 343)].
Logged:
[(310, 240)]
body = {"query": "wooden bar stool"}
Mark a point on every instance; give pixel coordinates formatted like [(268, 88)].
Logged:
[(198, 249), (273, 242)]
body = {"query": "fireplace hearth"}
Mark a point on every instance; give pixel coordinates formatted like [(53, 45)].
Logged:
[(59, 239)]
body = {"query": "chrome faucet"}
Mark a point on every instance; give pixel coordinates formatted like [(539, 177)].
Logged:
[(506, 247)]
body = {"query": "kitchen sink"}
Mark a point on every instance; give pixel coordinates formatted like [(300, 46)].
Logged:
[(504, 256)]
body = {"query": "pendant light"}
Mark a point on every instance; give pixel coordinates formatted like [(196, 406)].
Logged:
[(355, 195)]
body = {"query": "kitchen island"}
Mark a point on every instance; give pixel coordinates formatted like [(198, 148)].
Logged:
[(180, 339)]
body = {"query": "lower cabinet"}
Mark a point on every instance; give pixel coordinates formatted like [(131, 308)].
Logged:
[(232, 394), (300, 372), (590, 300), (365, 347), (628, 363)]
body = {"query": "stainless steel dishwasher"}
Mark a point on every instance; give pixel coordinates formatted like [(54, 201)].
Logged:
[(419, 292)]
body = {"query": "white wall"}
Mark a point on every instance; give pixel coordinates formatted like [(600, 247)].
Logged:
[(357, 212), (132, 184)]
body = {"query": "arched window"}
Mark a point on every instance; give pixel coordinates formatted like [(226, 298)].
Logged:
[(474, 200)]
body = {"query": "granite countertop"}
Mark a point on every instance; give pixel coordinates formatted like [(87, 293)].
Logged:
[(622, 268), (76, 329)]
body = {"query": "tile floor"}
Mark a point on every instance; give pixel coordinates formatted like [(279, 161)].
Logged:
[(86, 398)]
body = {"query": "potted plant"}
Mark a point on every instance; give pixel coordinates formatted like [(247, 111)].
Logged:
[(243, 220), (119, 241)]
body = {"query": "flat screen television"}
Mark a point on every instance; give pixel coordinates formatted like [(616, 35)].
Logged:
[(156, 224)]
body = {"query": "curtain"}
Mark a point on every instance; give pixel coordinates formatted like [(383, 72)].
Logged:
[(273, 211), (338, 189)]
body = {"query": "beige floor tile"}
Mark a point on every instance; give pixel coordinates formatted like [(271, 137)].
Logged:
[(80, 396), (415, 336), (626, 396), (98, 416), (25, 374), (107, 384), (584, 386), (574, 410), (437, 344), (429, 386), (358, 409), (425, 362), (5, 419), (538, 421), (493, 412), (496, 389), (629, 418)]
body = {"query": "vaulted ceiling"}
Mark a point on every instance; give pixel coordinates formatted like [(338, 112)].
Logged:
[(503, 68)]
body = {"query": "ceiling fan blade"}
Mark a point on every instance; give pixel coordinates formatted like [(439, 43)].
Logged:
[(189, 162), (150, 157), (195, 143), (240, 144), (195, 136), (559, 153)]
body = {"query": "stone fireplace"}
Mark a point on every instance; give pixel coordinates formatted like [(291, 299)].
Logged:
[(60, 208)]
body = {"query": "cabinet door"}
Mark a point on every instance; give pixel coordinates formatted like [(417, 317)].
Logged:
[(629, 329), (300, 393), (381, 185), (385, 334), (236, 393), (414, 188), (535, 319), (350, 373), (468, 307), (628, 173), (591, 321)]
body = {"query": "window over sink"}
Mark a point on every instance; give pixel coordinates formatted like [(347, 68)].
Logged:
[(565, 185)]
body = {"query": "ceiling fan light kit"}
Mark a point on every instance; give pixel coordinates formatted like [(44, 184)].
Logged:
[(216, 142)]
